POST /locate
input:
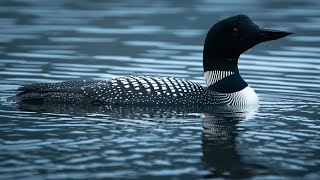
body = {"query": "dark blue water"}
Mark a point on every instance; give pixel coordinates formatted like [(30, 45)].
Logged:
[(51, 41)]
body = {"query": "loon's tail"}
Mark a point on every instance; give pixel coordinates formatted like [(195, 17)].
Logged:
[(40, 93), (62, 92), (46, 95), (14, 99)]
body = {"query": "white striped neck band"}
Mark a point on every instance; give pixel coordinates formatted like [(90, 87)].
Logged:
[(211, 77)]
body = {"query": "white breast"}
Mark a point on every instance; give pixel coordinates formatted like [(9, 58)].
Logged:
[(245, 97)]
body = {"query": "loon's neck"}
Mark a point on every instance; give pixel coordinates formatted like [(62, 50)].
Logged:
[(223, 76)]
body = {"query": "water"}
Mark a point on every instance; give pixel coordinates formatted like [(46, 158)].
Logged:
[(51, 41)]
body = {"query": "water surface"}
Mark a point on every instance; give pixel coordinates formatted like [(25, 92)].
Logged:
[(51, 41)]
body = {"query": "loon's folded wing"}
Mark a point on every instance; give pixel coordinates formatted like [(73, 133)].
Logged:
[(151, 91)]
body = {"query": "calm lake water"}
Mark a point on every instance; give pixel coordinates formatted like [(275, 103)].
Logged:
[(51, 41)]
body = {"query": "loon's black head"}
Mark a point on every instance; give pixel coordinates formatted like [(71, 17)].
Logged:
[(229, 38)]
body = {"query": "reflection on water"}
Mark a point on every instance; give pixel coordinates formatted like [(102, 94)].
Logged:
[(50, 41), (219, 145)]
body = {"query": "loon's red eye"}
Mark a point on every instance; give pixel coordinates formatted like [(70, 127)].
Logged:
[(235, 32)]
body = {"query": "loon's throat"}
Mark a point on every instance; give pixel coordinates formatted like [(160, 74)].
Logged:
[(212, 77), (224, 81), (217, 69), (221, 73), (224, 76)]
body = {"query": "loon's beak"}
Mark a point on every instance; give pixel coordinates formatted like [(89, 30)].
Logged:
[(269, 35)]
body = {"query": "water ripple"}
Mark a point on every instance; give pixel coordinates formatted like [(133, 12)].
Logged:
[(50, 41)]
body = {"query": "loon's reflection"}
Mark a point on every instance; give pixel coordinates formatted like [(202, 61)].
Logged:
[(219, 136), (219, 144)]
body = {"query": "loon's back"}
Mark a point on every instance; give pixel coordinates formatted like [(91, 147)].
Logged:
[(123, 91)]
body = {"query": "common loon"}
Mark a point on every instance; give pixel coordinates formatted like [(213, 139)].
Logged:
[(224, 43)]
